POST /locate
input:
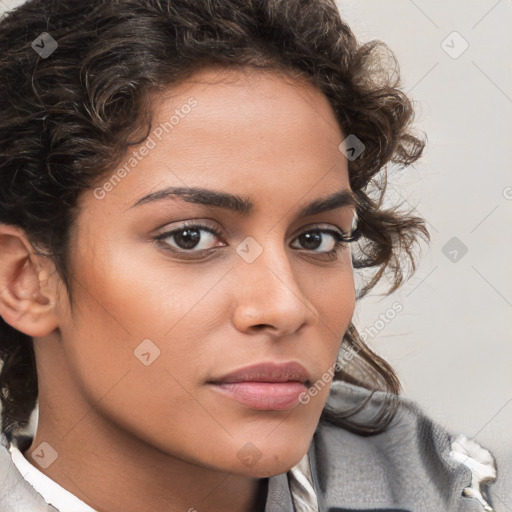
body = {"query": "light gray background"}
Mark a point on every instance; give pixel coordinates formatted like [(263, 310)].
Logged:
[(452, 342)]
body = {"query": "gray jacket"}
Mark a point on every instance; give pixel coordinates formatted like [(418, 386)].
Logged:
[(410, 467)]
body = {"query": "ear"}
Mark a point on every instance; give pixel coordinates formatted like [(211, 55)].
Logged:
[(27, 285)]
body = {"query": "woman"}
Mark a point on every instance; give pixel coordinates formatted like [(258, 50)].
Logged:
[(181, 186)]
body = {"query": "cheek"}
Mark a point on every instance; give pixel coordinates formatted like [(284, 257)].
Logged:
[(332, 293), (136, 342), (129, 371), (124, 321), (334, 296)]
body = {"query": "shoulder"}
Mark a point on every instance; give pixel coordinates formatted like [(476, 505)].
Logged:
[(413, 464), (16, 494)]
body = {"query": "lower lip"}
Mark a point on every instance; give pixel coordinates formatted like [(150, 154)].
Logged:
[(264, 396)]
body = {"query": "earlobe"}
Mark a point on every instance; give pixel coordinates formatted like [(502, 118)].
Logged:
[(26, 299)]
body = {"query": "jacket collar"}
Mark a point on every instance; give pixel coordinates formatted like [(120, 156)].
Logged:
[(408, 463)]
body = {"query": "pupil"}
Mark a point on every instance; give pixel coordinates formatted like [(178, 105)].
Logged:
[(314, 236), (190, 239)]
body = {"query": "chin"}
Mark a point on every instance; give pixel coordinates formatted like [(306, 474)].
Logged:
[(270, 459)]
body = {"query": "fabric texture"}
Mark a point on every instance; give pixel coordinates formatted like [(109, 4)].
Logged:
[(414, 465)]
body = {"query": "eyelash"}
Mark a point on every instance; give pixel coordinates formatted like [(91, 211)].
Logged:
[(341, 240)]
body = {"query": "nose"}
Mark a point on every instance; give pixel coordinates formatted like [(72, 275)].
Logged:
[(267, 296)]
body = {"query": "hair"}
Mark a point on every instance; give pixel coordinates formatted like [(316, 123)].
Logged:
[(68, 119)]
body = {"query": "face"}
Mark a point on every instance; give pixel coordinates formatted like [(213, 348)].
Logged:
[(173, 293)]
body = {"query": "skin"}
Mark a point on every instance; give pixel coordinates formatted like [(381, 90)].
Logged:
[(132, 437)]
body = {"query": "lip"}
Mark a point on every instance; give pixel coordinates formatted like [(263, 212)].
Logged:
[(265, 386), (267, 372)]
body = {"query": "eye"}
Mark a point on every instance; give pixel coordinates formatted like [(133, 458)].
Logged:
[(329, 241), (191, 238), (188, 237)]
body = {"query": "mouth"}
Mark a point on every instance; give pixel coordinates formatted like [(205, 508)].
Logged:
[(265, 386)]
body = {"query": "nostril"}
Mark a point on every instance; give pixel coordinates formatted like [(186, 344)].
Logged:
[(259, 327)]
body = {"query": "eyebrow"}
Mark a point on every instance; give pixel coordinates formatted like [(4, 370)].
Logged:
[(242, 205)]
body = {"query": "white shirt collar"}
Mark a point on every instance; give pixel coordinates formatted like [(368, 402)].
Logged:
[(50, 490)]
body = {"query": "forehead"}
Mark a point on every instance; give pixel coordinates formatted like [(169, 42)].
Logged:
[(246, 131), (257, 100)]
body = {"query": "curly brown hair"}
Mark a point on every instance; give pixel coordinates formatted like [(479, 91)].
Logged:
[(67, 120)]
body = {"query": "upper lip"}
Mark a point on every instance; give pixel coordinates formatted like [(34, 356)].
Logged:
[(267, 372)]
